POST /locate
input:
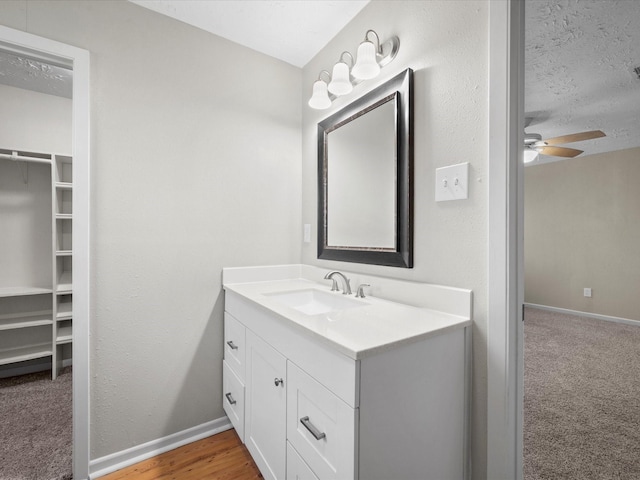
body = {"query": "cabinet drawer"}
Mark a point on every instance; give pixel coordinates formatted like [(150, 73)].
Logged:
[(234, 345), (320, 426), (233, 398), (296, 468)]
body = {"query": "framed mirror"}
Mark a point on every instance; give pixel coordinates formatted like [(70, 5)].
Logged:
[(365, 178)]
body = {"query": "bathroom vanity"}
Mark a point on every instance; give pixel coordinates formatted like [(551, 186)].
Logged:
[(321, 385)]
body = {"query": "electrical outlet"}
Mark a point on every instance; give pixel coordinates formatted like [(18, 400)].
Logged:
[(587, 292), (452, 182)]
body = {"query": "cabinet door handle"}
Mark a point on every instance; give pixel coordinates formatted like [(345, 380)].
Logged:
[(278, 381), (314, 431), (232, 345), (230, 398)]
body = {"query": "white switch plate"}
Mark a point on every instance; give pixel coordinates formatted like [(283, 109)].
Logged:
[(307, 233), (587, 292), (452, 182)]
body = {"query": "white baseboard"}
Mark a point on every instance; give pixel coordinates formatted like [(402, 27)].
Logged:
[(607, 318), (116, 461)]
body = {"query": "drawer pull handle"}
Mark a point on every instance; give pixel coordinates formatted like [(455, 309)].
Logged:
[(278, 381), (230, 398), (232, 345), (314, 431)]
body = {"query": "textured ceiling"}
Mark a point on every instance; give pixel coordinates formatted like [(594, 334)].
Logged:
[(291, 30), (31, 74), (579, 71)]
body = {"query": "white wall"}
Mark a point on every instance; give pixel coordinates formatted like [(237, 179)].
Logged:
[(34, 122), (582, 229), (446, 44), (195, 166)]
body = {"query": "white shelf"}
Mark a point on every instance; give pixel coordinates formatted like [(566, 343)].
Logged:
[(64, 312), (21, 291), (25, 353), (25, 320), (65, 335), (64, 285), (34, 320)]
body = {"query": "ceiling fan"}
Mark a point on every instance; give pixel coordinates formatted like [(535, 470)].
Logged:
[(534, 144)]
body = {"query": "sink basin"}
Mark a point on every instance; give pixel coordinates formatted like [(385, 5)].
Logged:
[(314, 302)]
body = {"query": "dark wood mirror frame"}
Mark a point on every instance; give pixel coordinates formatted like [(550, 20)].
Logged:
[(399, 87)]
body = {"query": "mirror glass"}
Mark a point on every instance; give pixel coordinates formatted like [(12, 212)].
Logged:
[(365, 160), (363, 212)]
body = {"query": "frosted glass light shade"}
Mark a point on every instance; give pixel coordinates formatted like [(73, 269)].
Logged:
[(320, 97), (366, 66), (340, 83), (530, 155)]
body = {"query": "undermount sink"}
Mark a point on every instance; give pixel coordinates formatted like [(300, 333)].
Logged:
[(314, 302)]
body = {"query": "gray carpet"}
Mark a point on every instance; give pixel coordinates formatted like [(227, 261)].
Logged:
[(581, 399), (35, 431)]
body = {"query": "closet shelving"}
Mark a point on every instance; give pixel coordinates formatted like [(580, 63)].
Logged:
[(38, 320)]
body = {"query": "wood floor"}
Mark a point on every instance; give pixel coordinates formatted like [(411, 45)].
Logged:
[(221, 457)]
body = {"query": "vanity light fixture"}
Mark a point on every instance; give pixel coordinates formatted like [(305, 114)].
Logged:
[(371, 57)]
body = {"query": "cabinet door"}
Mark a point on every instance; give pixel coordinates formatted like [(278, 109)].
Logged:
[(265, 402)]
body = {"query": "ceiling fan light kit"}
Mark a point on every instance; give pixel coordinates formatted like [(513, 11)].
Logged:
[(533, 142)]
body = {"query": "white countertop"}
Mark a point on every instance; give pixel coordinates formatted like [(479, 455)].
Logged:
[(356, 332)]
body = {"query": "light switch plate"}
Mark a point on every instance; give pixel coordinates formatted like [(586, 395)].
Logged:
[(452, 182), (307, 233)]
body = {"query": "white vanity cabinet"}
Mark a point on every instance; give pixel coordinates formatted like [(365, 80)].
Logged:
[(313, 412)]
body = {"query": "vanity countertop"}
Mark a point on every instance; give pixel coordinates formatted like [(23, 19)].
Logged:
[(375, 326)]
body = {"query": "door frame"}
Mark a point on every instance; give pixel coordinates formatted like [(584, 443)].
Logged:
[(505, 358), (78, 59)]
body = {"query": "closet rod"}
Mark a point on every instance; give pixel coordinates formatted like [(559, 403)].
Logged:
[(21, 158)]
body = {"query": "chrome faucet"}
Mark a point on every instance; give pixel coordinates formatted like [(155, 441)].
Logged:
[(346, 285)]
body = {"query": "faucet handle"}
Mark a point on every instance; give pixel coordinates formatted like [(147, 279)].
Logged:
[(360, 292), (334, 285)]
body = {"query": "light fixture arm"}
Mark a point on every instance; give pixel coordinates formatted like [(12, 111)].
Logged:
[(326, 73), (351, 61), (366, 39)]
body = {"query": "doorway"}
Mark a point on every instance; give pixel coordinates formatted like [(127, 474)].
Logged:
[(77, 59), (579, 351)]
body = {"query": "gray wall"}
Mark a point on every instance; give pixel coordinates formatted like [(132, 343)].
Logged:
[(582, 229), (446, 44), (195, 148)]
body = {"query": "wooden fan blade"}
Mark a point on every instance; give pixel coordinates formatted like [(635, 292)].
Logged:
[(574, 137), (559, 151)]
